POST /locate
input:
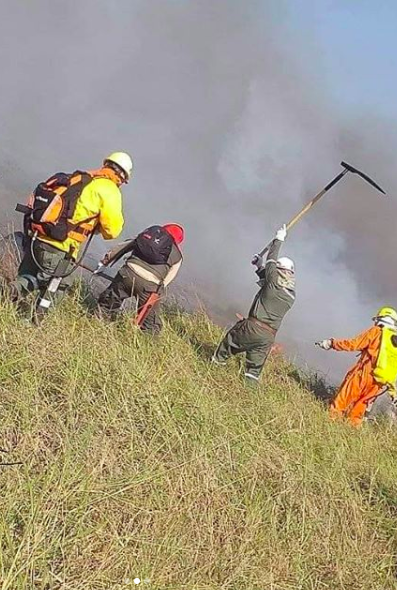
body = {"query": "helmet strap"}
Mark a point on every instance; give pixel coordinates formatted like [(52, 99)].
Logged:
[(385, 322), (118, 170)]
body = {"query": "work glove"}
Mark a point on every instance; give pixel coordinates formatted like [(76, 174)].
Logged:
[(282, 233), (105, 260), (257, 260), (98, 268), (325, 344)]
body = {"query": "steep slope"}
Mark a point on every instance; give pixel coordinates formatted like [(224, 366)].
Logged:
[(140, 460)]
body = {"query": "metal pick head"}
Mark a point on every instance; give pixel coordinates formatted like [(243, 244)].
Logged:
[(363, 176)]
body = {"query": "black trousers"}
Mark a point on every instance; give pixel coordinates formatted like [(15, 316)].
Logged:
[(127, 284), (31, 278)]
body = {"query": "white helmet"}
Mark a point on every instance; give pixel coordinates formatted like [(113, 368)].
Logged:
[(123, 161), (286, 263), (386, 321), (386, 316)]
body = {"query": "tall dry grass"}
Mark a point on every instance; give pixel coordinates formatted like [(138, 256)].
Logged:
[(140, 460)]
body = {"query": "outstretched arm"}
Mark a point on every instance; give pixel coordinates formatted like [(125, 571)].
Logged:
[(118, 252), (358, 343)]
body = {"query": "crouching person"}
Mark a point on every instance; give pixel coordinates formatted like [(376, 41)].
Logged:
[(154, 260), (255, 335)]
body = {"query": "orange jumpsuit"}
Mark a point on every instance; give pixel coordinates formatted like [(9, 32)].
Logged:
[(359, 386)]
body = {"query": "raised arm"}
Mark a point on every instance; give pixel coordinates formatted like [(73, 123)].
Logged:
[(268, 271)]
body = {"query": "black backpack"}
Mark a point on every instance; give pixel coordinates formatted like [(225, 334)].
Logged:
[(153, 245), (53, 204)]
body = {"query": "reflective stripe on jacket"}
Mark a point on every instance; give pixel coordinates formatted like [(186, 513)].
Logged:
[(158, 273)]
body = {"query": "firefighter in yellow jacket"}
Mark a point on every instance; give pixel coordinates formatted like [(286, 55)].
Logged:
[(375, 370), (97, 209)]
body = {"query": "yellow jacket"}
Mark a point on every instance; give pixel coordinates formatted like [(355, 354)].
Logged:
[(100, 199)]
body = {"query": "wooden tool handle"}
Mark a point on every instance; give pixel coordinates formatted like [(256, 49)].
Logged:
[(305, 209)]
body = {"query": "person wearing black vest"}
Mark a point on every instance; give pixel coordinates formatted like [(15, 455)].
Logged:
[(154, 261)]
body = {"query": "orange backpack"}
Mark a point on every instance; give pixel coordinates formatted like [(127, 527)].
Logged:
[(52, 205)]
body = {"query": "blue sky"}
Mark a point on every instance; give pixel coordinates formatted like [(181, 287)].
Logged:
[(355, 42), (236, 112)]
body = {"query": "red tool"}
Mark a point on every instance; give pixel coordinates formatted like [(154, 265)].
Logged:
[(146, 308)]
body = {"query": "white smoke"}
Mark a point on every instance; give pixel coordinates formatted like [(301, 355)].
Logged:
[(230, 133)]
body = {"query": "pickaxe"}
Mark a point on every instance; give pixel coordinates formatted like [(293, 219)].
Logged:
[(310, 204)]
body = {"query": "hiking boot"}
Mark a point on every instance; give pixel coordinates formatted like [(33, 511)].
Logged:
[(251, 381)]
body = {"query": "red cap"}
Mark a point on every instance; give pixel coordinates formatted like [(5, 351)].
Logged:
[(176, 231)]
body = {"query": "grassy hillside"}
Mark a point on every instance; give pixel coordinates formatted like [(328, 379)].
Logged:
[(141, 460)]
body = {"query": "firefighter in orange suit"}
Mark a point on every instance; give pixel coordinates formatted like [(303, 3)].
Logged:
[(375, 370)]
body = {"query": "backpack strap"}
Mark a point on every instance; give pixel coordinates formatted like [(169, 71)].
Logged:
[(81, 230)]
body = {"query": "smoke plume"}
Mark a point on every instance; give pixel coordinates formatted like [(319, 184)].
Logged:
[(230, 133)]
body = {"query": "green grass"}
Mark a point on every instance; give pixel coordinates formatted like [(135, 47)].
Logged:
[(142, 460)]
